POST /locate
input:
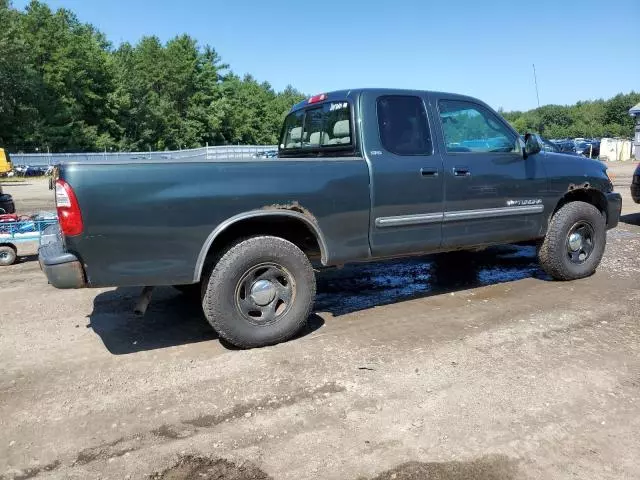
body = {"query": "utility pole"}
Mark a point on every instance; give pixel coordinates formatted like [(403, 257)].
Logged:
[(535, 81)]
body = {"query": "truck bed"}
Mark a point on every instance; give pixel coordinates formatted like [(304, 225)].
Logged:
[(148, 223)]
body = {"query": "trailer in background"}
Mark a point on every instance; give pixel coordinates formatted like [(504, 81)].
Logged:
[(21, 234)]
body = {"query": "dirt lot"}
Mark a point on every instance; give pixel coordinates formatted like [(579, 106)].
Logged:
[(409, 370)]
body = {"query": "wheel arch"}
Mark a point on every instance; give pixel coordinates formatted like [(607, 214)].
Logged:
[(290, 225), (11, 245), (583, 194)]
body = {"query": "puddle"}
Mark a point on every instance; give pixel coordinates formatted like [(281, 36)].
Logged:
[(491, 276), (363, 286)]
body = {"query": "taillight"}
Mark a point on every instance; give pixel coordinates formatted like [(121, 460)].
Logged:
[(318, 98), (69, 215)]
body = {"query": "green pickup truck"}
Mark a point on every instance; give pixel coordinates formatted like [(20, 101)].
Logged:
[(361, 175)]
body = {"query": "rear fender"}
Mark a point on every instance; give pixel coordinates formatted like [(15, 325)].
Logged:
[(256, 214)]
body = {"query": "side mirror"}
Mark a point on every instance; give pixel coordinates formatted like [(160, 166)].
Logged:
[(531, 145)]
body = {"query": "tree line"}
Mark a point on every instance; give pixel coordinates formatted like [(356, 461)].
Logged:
[(66, 88), (63, 86), (592, 119)]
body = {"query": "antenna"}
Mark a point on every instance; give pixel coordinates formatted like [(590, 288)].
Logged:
[(535, 81)]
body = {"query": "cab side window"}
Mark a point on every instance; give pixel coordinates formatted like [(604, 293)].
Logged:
[(471, 128), (292, 132), (403, 125)]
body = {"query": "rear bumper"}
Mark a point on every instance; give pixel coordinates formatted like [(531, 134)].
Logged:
[(614, 208), (63, 269)]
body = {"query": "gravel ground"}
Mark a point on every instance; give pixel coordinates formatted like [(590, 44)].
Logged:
[(416, 369)]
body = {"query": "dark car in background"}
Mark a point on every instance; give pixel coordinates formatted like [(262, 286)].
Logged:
[(565, 145), (587, 148), (32, 170), (6, 203), (550, 146), (580, 146), (267, 154), (635, 185)]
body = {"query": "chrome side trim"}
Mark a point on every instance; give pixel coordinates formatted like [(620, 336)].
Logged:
[(423, 219), (492, 212), (404, 220)]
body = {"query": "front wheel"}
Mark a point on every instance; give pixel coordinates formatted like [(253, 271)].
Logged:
[(260, 292), (575, 242), (8, 256)]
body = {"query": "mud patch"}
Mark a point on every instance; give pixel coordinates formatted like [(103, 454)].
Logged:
[(200, 468), (105, 451), (185, 429), (34, 471), (165, 431), (495, 467), (206, 421)]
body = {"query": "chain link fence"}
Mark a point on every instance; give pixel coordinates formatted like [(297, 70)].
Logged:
[(204, 153)]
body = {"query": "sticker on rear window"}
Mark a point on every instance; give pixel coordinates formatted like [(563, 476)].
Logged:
[(338, 106)]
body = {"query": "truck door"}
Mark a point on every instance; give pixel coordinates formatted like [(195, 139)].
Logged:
[(493, 194), (406, 174)]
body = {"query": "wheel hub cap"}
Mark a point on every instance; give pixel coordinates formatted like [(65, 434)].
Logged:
[(263, 292), (575, 242)]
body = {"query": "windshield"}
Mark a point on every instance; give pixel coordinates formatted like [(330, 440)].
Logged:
[(326, 126)]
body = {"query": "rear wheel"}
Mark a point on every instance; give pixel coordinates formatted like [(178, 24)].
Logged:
[(260, 292), (7, 255), (575, 242)]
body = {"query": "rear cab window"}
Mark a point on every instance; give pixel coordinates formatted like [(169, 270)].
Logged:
[(403, 125), (319, 129)]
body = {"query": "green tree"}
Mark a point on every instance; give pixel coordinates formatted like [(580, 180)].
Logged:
[(20, 86), (71, 60), (65, 87), (598, 118)]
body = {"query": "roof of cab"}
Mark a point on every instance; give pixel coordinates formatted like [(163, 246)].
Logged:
[(343, 94)]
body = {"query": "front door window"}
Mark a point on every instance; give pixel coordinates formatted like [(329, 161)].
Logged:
[(471, 128)]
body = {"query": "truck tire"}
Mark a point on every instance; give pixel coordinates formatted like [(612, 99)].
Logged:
[(260, 292), (575, 242), (8, 256)]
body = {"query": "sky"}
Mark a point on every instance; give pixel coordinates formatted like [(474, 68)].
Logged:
[(582, 49)]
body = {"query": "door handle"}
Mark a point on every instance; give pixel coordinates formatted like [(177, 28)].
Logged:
[(428, 172), (461, 172)]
